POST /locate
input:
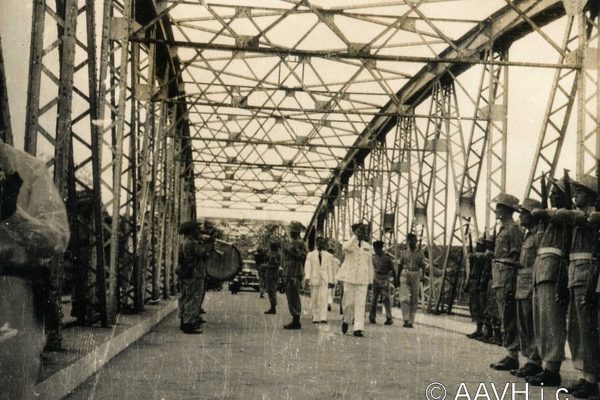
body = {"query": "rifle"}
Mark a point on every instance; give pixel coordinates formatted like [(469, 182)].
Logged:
[(544, 192), (562, 281)]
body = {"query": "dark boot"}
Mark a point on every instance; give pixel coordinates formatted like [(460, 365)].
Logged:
[(295, 324), (545, 378), (478, 332), (506, 364), (271, 310), (497, 340)]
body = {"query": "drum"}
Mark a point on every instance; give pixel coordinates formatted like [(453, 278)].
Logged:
[(224, 263)]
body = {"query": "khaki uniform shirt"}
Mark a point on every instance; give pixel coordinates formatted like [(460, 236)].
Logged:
[(529, 250), (509, 240)]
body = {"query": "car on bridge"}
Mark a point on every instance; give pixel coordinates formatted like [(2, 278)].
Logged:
[(246, 278)]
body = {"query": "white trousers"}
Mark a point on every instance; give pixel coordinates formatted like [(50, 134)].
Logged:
[(355, 297), (318, 302)]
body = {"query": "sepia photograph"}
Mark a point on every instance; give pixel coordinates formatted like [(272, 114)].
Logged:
[(299, 199)]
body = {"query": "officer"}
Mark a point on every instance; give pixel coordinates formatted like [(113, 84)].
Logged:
[(272, 266), (411, 268), (33, 229), (524, 289), (507, 248), (473, 289), (550, 313), (384, 271), (356, 273), (293, 272), (582, 331)]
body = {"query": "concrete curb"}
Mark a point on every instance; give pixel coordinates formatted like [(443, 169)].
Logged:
[(67, 379)]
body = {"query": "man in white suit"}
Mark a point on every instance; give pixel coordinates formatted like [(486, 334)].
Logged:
[(357, 273), (319, 273)]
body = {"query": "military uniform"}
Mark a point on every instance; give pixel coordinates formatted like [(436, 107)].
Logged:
[(293, 272), (523, 295), (550, 316), (384, 270), (582, 321), (411, 263), (507, 248), (194, 255)]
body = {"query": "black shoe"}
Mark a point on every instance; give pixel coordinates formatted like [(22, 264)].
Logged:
[(358, 333), (372, 321), (409, 325), (405, 324), (506, 364), (315, 322), (528, 370), (295, 324), (388, 321), (344, 328), (545, 378), (585, 390), (576, 386), (271, 311), (323, 322), (191, 330)]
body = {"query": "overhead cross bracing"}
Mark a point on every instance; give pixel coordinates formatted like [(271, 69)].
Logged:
[(394, 112)]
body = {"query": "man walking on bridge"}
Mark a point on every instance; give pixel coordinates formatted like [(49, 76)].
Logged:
[(410, 269), (293, 271), (319, 269), (357, 273), (384, 271)]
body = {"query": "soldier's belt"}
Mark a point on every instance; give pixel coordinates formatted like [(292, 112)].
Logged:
[(550, 250), (507, 262), (580, 256)]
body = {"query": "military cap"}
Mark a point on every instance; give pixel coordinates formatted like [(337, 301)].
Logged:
[(411, 236), (588, 182), (530, 204), (507, 200), (378, 244)]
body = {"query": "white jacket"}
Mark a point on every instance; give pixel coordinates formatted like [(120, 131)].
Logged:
[(319, 274), (357, 267)]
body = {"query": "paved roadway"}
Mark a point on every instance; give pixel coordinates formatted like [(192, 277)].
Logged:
[(244, 354)]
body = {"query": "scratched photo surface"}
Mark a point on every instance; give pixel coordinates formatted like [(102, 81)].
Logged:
[(299, 199)]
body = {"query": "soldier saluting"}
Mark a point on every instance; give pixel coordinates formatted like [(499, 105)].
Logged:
[(583, 325), (549, 306), (504, 276)]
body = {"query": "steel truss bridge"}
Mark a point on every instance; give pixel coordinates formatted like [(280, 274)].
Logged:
[(393, 112)]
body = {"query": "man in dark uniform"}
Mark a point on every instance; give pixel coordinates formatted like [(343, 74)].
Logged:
[(524, 290), (476, 301), (273, 263), (550, 312), (196, 247), (384, 271), (293, 272), (507, 249), (33, 229)]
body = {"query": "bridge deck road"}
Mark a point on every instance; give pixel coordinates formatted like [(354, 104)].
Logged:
[(244, 354)]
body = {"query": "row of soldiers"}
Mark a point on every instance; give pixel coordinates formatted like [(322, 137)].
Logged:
[(539, 283)]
